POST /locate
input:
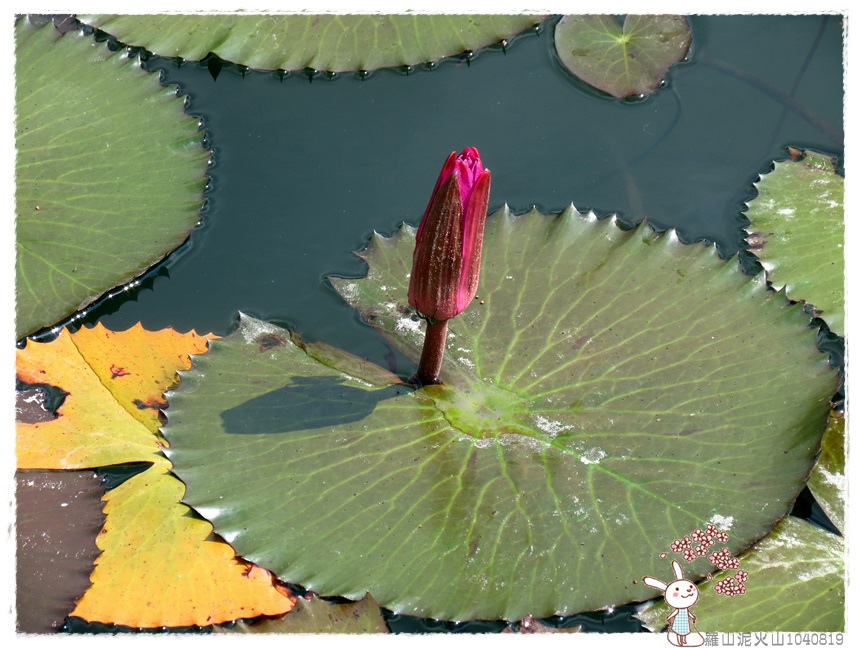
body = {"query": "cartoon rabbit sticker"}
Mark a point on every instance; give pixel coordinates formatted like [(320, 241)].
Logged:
[(680, 594)]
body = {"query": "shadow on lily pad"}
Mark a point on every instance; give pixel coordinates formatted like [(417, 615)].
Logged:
[(309, 402)]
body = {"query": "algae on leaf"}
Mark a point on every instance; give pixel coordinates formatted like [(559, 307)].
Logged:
[(605, 391), (110, 172)]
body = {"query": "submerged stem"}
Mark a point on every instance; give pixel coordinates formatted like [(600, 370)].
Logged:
[(431, 355)]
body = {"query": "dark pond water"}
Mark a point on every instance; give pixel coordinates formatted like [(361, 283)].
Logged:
[(305, 171)]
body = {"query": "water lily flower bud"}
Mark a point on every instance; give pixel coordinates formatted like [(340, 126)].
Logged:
[(446, 262)]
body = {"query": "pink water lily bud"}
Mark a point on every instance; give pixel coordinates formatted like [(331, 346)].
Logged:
[(446, 263)]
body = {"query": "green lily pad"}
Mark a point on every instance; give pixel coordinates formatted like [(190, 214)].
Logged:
[(605, 391), (110, 172), (796, 583), (797, 225), (828, 480), (315, 615), (623, 60), (336, 43)]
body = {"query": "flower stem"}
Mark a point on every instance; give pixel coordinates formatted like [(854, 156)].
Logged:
[(431, 355)]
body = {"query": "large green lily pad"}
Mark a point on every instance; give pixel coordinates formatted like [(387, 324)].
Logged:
[(797, 225), (623, 60), (796, 583), (110, 172), (336, 43), (606, 391)]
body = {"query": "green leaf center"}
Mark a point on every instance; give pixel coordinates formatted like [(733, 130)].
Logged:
[(483, 411)]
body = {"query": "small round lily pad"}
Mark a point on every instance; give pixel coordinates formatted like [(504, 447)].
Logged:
[(622, 59)]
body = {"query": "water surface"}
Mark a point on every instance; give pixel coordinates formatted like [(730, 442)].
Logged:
[(305, 171)]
